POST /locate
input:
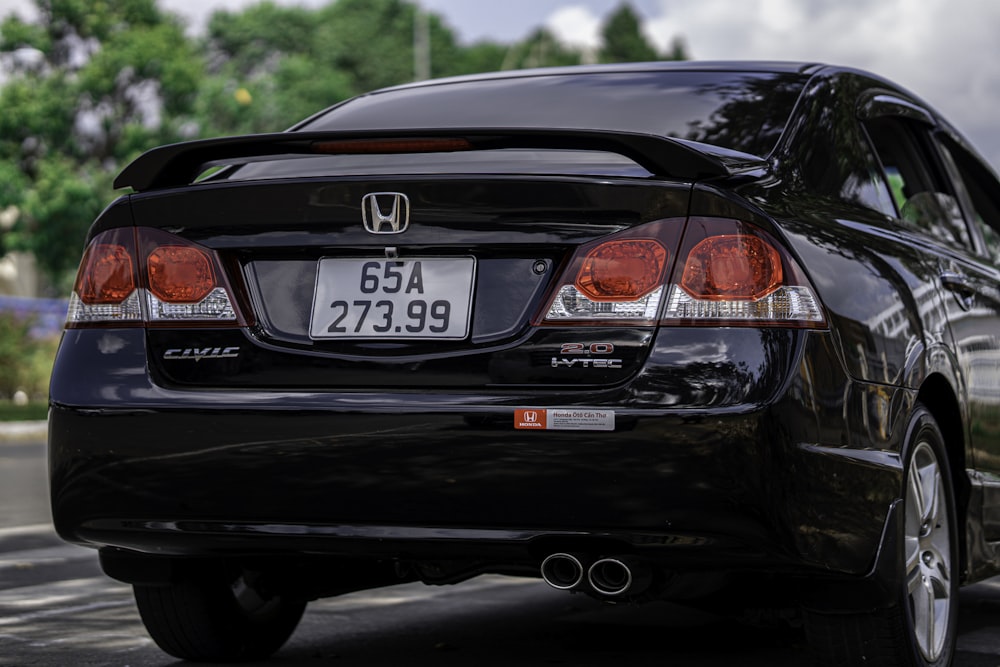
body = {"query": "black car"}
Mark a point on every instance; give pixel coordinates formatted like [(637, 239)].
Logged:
[(723, 333)]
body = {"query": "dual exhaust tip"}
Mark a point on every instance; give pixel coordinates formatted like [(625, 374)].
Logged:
[(610, 576)]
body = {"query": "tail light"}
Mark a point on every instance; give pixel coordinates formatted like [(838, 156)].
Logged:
[(735, 273), (721, 271), (619, 280), (136, 277)]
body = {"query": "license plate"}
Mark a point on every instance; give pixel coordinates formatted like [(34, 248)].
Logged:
[(426, 297)]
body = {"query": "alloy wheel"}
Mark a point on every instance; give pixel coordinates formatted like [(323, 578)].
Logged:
[(928, 552)]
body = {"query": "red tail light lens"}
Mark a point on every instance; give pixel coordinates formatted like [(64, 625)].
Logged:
[(180, 274), (134, 276), (107, 274), (736, 267), (622, 270)]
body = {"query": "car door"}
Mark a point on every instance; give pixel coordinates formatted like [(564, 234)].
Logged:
[(975, 318), (926, 175)]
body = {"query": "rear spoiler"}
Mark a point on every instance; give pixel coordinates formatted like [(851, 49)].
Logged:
[(181, 164)]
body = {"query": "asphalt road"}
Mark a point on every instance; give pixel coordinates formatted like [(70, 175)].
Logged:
[(56, 608)]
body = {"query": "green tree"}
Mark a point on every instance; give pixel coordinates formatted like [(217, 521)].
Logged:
[(622, 40), (371, 41), (90, 85), (64, 199), (264, 75), (541, 48), (274, 65), (483, 56), (250, 40)]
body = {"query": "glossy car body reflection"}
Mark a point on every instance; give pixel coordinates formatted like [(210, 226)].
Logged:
[(770, 456)]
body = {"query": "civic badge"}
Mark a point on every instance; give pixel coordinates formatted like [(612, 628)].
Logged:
[(385, 212)]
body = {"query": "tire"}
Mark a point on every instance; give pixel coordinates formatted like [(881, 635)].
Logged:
[(212, 617), (920, 630)]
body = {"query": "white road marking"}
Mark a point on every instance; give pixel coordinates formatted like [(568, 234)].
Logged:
[(22, 531), (28, 558)]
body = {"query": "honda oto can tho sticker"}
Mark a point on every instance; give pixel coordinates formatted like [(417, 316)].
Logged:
[(564, 419)]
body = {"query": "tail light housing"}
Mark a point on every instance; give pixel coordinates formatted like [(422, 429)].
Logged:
[(148, 277), (698, 271), (617, 280), (734, 273)]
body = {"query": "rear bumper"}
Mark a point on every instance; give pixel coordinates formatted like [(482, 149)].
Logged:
[(735, 484)]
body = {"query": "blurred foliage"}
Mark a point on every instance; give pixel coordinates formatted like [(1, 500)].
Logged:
[(622, 38), (34, 411), (25, 362), (90, 84)]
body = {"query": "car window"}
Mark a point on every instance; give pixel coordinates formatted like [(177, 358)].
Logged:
[(719, 108), (982, 195), (923, 200)]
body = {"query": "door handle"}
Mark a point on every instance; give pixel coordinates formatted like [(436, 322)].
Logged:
[(961, 286)]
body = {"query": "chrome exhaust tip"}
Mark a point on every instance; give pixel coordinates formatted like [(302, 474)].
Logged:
[(618, 576), (562, 571)]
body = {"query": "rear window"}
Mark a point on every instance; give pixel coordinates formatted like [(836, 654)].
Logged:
[(742, 111)]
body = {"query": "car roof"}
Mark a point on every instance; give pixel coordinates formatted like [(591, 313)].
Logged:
[(748, 66)]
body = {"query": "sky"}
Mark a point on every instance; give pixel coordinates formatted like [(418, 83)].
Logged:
[(945, 51)]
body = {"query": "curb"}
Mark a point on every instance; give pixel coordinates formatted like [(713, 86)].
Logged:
[(23, 431)]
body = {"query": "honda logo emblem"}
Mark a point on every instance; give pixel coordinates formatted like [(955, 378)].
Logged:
[(385, 212)]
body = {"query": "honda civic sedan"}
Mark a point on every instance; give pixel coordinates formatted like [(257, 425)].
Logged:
[(725, 334)]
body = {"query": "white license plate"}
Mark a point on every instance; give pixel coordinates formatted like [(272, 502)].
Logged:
[(421, 297)]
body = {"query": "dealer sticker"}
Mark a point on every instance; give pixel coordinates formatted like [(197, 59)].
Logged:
[(564, 419)]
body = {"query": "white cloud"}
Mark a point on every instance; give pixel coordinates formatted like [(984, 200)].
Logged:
[(576, 25), (946, 51)]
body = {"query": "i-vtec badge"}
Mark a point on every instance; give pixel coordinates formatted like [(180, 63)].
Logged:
[(586, 361), (199, 353), (582, 362)]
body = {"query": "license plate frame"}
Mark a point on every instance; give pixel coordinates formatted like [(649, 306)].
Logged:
[(377, 298)]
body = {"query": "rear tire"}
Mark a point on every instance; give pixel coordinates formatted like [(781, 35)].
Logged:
[(920, 630), (211, 617)]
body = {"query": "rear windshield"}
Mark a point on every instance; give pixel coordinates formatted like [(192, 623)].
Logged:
[(742, 111)]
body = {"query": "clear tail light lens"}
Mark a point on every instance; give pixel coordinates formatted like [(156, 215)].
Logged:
[(147, 276)]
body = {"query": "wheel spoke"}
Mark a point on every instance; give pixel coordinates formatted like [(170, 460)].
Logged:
[(914, 574), (914, 503), (930, 484), (922, 603)]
